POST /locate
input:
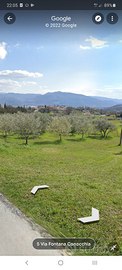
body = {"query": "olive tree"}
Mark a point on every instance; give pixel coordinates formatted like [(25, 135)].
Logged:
[(82, 125), (104, 126), (26, 125), (44, 121), (72, 121), (60, 125), (6, 124)]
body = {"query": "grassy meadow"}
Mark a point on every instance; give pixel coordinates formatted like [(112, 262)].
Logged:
[(80, 173)]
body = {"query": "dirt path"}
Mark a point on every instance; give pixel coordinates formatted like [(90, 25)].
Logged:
[(17, 233)]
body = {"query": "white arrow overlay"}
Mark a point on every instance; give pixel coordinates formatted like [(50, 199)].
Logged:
[(9, 18), (34, 190), (94, 217)]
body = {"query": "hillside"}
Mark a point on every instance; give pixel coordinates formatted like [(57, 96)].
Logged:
[(57, 98)]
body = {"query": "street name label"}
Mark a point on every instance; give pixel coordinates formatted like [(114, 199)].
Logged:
[(63, 243)]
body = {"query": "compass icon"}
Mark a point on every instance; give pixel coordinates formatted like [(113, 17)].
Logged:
[(98, 18)]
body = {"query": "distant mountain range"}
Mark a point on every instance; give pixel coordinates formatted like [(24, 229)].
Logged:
[(57, 98)]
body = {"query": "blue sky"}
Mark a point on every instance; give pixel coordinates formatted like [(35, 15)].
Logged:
[(85, 60)]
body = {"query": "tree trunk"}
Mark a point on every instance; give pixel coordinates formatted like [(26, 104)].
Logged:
[(26, 140), (5, 136), (104, 133), (60, 137), (120, 137)]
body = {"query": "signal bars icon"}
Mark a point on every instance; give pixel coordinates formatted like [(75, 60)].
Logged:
[(97, 5)]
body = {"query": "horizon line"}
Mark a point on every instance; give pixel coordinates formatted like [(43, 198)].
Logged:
[(58, 92)]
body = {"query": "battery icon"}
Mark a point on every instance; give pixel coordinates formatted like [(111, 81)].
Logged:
[(21, 4)]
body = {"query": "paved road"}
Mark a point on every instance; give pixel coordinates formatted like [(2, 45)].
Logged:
[(17, 233)]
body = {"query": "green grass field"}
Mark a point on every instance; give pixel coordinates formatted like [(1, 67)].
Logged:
[(81, 174)]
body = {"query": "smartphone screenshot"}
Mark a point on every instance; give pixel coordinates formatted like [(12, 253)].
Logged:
[(61, 134)]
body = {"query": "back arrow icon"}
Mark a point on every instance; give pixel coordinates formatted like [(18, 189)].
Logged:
[(9, 18)]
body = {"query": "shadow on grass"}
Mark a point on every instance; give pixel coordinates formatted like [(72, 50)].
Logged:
[(48, 142), (108, 138), (24, 144), (99, 137), (118, 154), (3, 137), (76, 140), (88, 223), (40, 143), (95, 137)]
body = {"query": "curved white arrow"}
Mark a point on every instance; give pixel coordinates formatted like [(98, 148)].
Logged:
[(34, 190), (94, 217)]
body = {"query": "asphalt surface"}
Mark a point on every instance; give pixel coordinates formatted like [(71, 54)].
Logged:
[(17, 233)]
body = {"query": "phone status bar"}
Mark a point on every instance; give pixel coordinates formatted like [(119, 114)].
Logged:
[(60, 5)]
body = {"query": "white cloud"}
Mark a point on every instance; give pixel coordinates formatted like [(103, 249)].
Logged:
[(114, 88), (84, 47), (98, 44), (110, 92), (102, 90), (17, 45), (26, 83), (3, 51), (100, 47), (41, 87), (19, 74), (9, 85)]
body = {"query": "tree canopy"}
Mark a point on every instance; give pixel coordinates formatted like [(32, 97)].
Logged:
[(104, 126), (6, 123), (26, 125), (82, 125), (60, 125)]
